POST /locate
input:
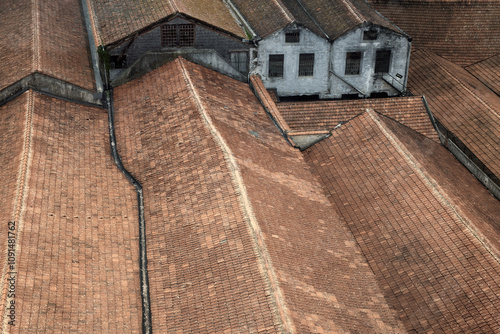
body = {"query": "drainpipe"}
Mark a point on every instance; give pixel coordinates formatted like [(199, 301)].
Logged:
[(93, 51), (143, 262)]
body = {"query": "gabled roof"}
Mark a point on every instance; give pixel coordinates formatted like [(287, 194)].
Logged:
[(461, 103), (488, 72), (219, 179), (46, 39), (115, 20), (326, 115), (75, 215), (327, 18), (424, 223), (463, 32)]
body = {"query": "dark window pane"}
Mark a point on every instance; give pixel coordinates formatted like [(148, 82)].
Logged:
[(306, 64), (370, 35), (292, 37), (276, 66), (383, 61), (352, 63)]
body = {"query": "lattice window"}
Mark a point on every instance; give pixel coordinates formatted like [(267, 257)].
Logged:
[(177, 35), (292, 37), (276, 63), (239, 60), (383, 61), (352, 63), (306, 64)]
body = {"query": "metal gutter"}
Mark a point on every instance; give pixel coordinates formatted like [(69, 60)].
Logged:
[(93, 50), (143, 262)]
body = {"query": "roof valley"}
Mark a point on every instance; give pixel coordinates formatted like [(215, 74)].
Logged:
[(264, 263), (430, 182)]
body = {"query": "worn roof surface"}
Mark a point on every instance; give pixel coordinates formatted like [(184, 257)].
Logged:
[(488, 72), (329, 19), (115, 20), (218, 179), (76, 225), (415, 212), (461, 103), (49, 38), (326, 115), (464, 32)]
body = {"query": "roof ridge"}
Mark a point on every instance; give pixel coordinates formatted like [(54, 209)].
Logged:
[(285, 10), (354, 11), (174, 5), (263, 258), (428, 180)]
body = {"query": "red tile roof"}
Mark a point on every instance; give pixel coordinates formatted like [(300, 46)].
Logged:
[(412, 209), (463, 32), (326, 115), (461, 103), (327, 18), (49, 38), (488, 72), (118, 19), (76, 225), (218, 180)]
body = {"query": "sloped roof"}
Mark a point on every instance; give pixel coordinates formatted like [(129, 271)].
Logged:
[(50, 39), (413, 210), (115, 20), (488, 72), (463, 32), (326, 115), (218, 179), (331, 18), (461, 103), (75, 215)]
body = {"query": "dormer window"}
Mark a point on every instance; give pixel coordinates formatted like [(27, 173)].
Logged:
[(177, 35), (292, 37)]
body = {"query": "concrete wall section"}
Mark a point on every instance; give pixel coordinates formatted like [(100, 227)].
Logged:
[(291, 84), (367, 81)]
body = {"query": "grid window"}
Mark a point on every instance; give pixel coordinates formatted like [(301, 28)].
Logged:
[(276, 66), (352, 63), (177, 35), (306, 64), (383, 61), (239, 60), (292, 37)]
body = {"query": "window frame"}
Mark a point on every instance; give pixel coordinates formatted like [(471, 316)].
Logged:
[(177, 34), (385, 63), (292, 37), (276, 63), (349, 59)]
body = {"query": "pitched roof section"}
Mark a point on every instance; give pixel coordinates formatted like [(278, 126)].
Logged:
[(461, 103), (326, 115), (412, 208), (76, 224), (463, 32), (220, 179), (488, 72), (50, 39), (329, 19), (118, 19)]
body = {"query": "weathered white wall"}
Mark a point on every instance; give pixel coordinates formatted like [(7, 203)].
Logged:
[(291, 84), (367, 81)]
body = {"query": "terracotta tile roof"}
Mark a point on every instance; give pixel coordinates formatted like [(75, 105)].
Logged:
[(396, 191), (118, 19), (326, 115), (463, 32), (461, 103), (488, 72), (46, 38), (218, 180), (333, 18), (75, 217)]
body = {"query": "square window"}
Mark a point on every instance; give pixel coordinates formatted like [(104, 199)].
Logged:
[(276, 63), (186, 35), (306, 64), (169, 36), (292, 37), (352, 63), (383, 61)]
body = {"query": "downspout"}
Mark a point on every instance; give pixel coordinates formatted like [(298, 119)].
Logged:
[(143, 262), (93, 51), (407, 70)]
